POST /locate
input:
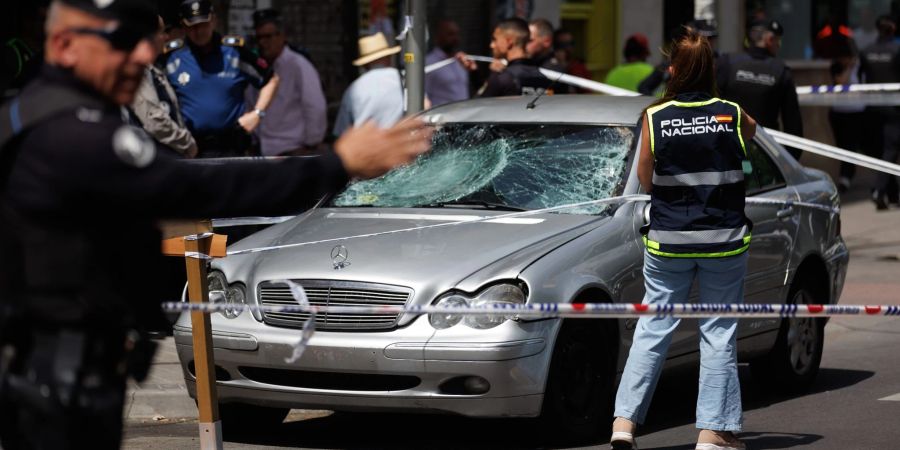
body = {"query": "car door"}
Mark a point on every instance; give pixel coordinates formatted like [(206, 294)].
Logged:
[(775, 227)]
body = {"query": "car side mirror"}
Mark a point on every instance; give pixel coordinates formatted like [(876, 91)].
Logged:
[(646, 213)]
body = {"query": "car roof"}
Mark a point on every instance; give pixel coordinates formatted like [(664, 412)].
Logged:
[(574, 109)]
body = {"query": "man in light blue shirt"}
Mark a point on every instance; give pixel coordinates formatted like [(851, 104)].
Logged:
[(377, 95), (449, 83)]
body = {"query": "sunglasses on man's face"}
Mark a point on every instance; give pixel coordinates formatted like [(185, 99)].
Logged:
[(120, 38)]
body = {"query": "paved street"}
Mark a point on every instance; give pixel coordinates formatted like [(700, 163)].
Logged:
[(854, 403)]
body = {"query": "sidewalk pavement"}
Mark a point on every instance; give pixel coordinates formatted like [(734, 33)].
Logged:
[(163, 395)]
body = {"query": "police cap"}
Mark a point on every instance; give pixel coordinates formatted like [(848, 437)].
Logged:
[(703, 27), (138, 17), (768, 25), (193, 12)]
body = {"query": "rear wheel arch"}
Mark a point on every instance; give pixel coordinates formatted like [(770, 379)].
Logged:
[(812, 274)]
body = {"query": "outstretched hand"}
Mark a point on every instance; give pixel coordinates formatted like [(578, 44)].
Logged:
[(368, 151)]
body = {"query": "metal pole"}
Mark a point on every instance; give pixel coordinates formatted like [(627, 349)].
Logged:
[(414, 56)]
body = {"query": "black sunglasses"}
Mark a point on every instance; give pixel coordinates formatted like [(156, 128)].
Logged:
[(121, 38)]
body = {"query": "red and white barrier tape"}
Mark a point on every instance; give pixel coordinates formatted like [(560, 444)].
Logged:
[(569, 310)]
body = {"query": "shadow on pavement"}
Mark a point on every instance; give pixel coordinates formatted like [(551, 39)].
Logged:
[(673, 406)]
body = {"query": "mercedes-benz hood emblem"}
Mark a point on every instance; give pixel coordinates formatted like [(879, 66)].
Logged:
[(339, 255)]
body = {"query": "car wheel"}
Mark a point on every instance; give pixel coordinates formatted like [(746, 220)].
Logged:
[(238, 418), (793, 362), (579, 395)]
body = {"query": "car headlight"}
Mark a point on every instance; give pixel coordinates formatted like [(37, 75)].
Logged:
[(505, 293), (499, 294), (446, 320), (221, 293)]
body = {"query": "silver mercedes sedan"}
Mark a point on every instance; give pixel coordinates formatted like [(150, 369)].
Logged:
[(491, 157)]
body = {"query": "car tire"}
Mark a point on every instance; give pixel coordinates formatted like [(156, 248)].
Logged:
[(238, 418), (580, 386), (793, 363)]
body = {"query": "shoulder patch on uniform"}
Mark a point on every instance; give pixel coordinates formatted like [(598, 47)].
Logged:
[(89, 115), (173, 45), (133, 146), (233, 41)]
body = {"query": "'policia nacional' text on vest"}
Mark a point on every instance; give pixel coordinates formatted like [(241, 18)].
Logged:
[(698, 179)]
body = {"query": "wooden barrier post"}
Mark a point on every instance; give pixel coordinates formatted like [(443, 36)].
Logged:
[(197, 245)]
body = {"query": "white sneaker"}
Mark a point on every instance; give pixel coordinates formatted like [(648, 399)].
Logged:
[(622, 440), (708, 446)]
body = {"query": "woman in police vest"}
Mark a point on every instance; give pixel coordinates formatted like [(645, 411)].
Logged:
[(691, 162)]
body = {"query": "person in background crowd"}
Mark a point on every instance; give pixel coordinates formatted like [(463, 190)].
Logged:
[(654, 84), (451, 83), (697, 230), (881, 64), (540, 49), (866, 33), (521, 75), (833, 40), (540, 45), (81, 194), (846, 119), (156, 108), (21, 52), (296, 119), (761, 83), (564, 49), (377, 95), (210, 74), (635, 69)]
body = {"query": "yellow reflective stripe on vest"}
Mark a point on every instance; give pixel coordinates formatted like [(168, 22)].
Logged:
[(739, 115), (650, 112), (653, 248)]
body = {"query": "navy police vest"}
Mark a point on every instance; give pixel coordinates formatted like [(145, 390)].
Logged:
[(698, 180)]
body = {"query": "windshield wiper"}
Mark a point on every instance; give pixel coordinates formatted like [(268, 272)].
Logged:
[(482, 203)]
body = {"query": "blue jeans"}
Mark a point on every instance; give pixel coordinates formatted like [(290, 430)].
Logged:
[(668, 280)]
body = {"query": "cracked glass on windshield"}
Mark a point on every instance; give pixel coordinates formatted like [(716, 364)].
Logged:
[(508, 167)]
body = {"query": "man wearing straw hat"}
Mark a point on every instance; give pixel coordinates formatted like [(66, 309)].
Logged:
[(377, 95)]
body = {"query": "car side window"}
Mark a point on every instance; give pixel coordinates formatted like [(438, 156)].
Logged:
[(765, 175)]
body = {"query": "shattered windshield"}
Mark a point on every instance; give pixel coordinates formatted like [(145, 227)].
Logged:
[(507, 167)]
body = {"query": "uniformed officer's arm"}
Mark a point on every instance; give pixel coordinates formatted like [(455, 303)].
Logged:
[(748, 126), (158, 123), (645, 158), (723, 70), (791, 120)]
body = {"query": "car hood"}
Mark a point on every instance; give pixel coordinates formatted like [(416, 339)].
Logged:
[(427, 260)]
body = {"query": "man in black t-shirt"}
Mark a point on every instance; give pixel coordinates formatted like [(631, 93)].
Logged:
[(521, 76)]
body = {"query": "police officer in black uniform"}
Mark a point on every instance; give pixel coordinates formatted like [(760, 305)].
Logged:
[(521, 75), (880, 63), (80, 194), (761, 83)]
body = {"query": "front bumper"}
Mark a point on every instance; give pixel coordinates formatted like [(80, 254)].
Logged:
[(410, 369)]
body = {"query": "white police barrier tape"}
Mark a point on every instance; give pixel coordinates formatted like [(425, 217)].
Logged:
[(833, 152), (569, 310), (875, 94), (612, 200), (847, 88)]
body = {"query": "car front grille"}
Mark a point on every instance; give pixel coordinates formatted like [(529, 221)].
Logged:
[(334, 293)]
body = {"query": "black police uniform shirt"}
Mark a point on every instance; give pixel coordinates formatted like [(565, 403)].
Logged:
[(880, 62), (763, 86), (521, 77), (79, 205), (210, 84)]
